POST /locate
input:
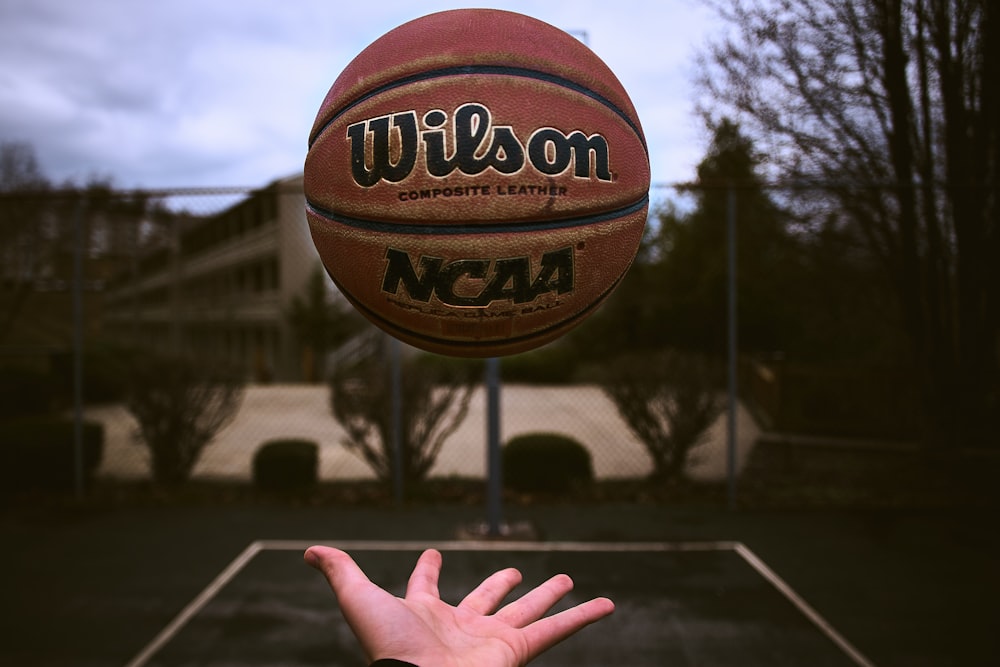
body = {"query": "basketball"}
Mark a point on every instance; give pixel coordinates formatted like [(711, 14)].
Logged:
[(477, 182)]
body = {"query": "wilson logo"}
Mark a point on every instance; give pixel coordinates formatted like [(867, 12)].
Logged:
[(507, 279), (387, 147)]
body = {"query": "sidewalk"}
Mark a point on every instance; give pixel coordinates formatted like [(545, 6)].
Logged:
[(303, 411)]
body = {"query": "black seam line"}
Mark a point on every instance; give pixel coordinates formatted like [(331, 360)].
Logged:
[(484, 228), (490, 70)]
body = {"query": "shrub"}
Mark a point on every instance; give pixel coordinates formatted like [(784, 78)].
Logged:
[(545, 463), (435, 392), (25, 391), (37, 453), (286, 466), (179, 403), (668, 399), (104, 373)]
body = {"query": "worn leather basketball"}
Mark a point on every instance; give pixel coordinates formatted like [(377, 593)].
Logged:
[(477, 182)]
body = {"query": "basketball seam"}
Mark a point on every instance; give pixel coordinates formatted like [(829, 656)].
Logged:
[(506, 227), (489, 70)]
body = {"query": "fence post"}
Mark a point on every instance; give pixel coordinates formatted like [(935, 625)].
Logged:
[(78, 243), (732, 343), (494, 478), (396, 408)]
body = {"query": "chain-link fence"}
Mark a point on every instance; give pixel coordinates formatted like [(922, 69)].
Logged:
[(230, 275), (216, 272)]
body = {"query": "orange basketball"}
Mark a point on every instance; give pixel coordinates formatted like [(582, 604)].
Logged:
[(477, 182)]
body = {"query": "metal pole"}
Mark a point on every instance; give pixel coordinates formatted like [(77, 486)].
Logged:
[(494, 472), (396, 407), (174, 327), (732, 342), (78, 243)]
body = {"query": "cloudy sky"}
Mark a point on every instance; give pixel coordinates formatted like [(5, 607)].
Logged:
[(203, 93)]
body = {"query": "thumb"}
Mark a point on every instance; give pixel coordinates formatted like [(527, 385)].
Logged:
[(355, 592), (364, 605), (337, 566)]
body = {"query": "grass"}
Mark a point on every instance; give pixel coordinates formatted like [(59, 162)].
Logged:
[(778, 476)]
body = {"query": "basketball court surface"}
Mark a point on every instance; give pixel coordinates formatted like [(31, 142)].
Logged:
[(677, 603)]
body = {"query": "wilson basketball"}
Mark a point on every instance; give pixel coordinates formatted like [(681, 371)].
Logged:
[(477, 182)]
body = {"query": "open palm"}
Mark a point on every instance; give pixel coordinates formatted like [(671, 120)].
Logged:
[(422, 629)]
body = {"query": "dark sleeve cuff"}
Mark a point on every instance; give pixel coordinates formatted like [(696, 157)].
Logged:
[(390, 662)]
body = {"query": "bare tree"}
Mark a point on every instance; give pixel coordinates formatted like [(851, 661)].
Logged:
[(435, 395), (26, 230), (668, 399), (38, 235), (180, 403), (890, 108)]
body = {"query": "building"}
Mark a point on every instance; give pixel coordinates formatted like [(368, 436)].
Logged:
[(221, 284)]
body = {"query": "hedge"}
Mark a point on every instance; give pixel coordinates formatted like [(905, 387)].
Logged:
[(37, 453), (286, 466), (545, 463)]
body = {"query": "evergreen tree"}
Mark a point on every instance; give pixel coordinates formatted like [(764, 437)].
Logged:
[(675, 294)]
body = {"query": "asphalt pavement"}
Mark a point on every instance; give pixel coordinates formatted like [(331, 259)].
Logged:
[(94, 585)]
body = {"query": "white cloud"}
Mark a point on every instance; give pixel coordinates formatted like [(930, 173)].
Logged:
[(223, 93)]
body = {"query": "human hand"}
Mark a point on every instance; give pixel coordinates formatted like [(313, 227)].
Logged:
[(422, 629)]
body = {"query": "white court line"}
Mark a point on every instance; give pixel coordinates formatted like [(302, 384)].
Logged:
[(195, 606), (254, 548), (490, 545), (756, 563)]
